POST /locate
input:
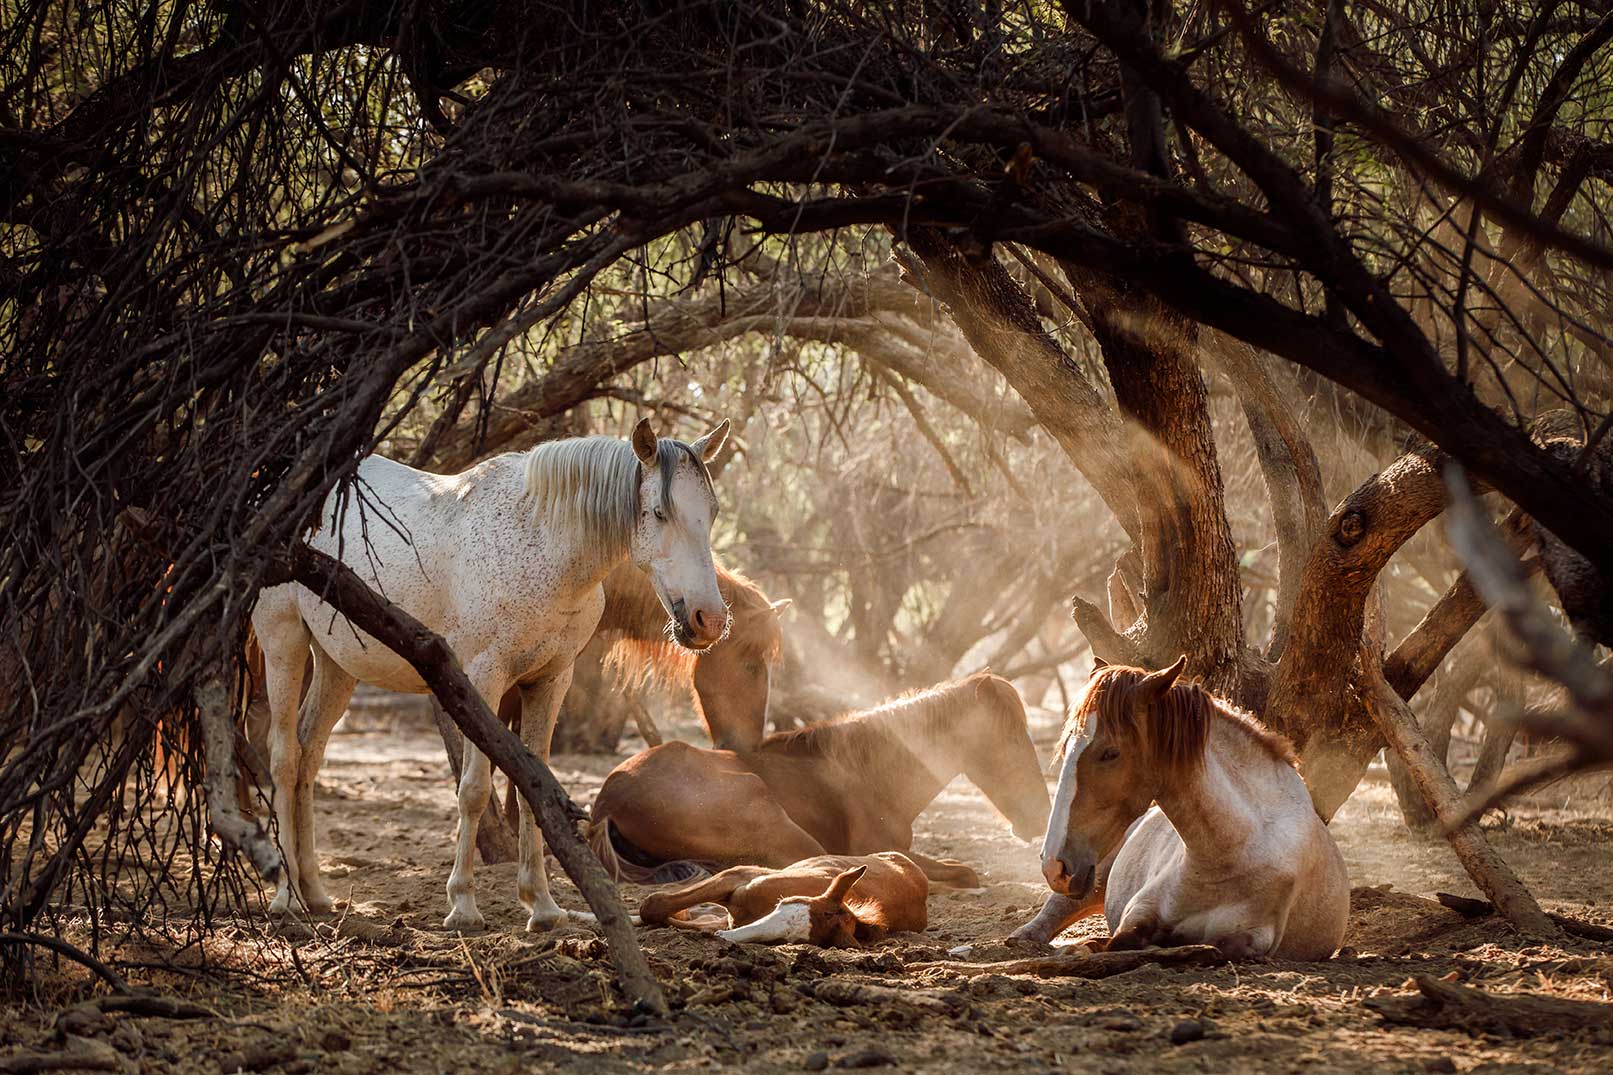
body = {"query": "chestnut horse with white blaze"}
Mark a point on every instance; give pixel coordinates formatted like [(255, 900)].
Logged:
[(851, 786), (833, 901), (504, 561), (1230, 854)]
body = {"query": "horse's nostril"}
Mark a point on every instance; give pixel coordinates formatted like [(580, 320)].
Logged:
[(700, 619)]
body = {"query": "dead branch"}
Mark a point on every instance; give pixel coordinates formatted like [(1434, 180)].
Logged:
[(223, 808), (1587, 729), (1086, 965), (72, 952), (1449, 1006), (1468, 907), (1487, 869)]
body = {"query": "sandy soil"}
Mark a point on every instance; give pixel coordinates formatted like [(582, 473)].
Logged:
[(383, 988)]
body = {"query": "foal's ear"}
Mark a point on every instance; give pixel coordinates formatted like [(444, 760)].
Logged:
[(781, 604), (709, 445), (1155, 684), (1098, 662), (644, 441), (842, 884)]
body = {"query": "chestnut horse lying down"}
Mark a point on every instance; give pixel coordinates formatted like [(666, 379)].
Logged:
[(1230, 854), (833, 901), (848, 787)]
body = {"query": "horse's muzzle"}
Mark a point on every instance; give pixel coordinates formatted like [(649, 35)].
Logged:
[(1062, 878), (698, 629)]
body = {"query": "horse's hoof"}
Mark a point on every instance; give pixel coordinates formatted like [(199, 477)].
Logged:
[(543, 921), (464, 921), (320, 904), (280, 906)]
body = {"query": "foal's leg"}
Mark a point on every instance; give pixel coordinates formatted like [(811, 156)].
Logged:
[(327, 699), (540, 708), (475, 786), (285, 640)]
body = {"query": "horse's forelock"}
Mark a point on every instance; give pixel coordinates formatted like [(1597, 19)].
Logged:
[(1171, 734), (668, 454)]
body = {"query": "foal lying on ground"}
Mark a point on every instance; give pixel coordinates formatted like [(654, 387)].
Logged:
[(1232, 854), (851, 787), (834, 901)]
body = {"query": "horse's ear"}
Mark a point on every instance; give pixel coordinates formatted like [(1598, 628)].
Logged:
[(644, 441), (1098, 662), (1155, 684), (709, 445), (842, 884), (780, 605)]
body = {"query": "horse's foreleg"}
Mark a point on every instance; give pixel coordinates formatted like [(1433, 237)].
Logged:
[(1057, 914), (475, 787), (327, 699), (540, 708)]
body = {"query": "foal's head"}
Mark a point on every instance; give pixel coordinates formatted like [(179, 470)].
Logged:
[(671, 539), (1131, 733), (823, 920)]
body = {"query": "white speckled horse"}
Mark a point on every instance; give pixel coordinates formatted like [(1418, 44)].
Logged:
[(1232, 854), (505, 561)]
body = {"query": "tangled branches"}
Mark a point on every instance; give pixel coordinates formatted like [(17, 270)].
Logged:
[(243, 245)]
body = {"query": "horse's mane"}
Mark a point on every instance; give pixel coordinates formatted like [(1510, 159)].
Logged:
[(1174, 731), (912, 721), (642, 651), (590, 485)]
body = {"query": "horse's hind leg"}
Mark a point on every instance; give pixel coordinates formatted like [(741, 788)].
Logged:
[(475, 787), (327, 699), (285, 640), (540, 708)]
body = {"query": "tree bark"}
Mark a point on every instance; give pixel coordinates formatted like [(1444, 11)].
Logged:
[(1310, 698), (1487, 869)]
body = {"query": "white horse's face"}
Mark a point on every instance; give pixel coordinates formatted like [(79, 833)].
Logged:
[(672, 536)]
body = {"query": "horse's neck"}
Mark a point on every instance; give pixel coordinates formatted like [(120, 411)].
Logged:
[(914, 754), (631, 606), (1225, 804)]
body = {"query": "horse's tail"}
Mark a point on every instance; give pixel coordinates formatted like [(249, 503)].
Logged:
[(599, 838), (603, 838)]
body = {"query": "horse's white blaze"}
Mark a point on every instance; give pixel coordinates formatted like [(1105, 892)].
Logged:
[(1058, 820), (787, 922)]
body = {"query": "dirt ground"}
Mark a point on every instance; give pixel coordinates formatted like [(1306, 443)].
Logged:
[(383, 988)]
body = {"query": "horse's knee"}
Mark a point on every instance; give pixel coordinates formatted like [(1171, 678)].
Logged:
[(475, 787), (1136, 934)]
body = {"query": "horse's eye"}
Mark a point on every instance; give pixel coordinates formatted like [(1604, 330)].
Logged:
[(660, 515), (1109, 754)]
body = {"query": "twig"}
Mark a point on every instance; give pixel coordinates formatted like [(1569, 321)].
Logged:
[(71, 951)]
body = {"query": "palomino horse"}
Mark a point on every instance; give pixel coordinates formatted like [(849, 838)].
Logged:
[(851, 787), (833, 901), (505, 561), (1232, 854)]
